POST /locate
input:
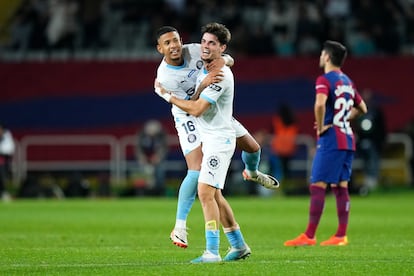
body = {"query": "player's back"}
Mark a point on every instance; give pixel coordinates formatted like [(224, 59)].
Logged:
[(341, 98)]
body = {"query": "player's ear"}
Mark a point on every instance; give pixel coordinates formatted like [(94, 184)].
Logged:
[(159, 49), (223, 48)]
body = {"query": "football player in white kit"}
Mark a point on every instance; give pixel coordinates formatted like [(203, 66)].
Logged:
[(177, 73), (213, 114)]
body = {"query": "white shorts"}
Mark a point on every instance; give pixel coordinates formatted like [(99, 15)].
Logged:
[(216, 162), (188, 134), (239, 128)]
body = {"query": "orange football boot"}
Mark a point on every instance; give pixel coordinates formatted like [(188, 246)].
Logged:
[(301, 240), (335, 241)]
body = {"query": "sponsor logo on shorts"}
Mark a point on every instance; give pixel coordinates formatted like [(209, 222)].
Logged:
[(191, 138), (213, 162)]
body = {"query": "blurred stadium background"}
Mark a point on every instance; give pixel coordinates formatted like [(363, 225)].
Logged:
[(75, 96)]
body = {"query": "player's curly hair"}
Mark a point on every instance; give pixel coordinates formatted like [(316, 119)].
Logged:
[(219, 30), (336, 51)]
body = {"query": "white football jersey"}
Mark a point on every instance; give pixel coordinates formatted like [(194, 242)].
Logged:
[(180, 80), (217, 121)]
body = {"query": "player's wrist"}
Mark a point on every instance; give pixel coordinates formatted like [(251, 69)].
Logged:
[(167, 97), (163, 93)]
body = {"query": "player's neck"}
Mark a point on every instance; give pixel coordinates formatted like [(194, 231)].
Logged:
[(329, 67), (206, 62), (175, 62)]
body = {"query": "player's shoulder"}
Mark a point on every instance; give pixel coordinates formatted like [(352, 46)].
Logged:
[(228, 73), (192, 46), (193, 50), (321, 78), (162, 66)]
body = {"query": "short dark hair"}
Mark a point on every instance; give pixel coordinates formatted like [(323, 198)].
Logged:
[(223, 34), (336, 51), (164, 30)]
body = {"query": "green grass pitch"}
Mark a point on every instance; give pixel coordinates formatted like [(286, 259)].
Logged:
[(131, 237)]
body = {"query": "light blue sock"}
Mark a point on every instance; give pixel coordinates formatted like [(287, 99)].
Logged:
[(251, 160), (187, 194), (235, 238), (213, 241)]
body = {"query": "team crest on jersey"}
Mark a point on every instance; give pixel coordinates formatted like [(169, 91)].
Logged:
[(199, 64), (215, 87), (191, 138), (213, 162)]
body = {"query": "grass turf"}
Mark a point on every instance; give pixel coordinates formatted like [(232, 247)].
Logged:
[(130, 237)]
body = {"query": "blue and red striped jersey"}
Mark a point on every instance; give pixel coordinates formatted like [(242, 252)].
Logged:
[(342, 96)]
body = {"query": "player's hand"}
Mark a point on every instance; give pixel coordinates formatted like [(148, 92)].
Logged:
[(161, 91), (213, 77), (321, 131), (216, 64)]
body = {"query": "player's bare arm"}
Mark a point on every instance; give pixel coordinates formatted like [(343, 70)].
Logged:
[(319, 110), (195, 108), (212, 77), (358, 110), (215, 74)]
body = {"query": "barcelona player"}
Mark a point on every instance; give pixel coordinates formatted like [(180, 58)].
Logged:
[(337, 103)]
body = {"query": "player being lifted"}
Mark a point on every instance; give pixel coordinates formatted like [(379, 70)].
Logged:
[(177, 73), (213, 113)]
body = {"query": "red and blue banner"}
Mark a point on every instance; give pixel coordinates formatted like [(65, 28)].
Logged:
[(117, 97)]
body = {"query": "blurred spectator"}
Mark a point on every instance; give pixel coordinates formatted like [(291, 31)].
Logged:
[(178, 5), (91, 18), (151, 153), (308, 29), (39, 19), (337, 9), (284, 45), (283, 142), (362, 44), (62, 26), (409, 28), (21, 29), (7, 148), (260, 43), (409, 130), (371, 136), (281, 18), (380, 27)]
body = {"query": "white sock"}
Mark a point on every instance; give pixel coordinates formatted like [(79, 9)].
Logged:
[(179, 223), (251, 173)]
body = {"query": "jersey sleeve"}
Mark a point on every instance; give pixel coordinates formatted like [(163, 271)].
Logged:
[(322, 85), (357, 99), (212, 92)]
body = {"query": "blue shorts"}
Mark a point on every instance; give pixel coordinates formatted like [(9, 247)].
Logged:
[(332, 166)]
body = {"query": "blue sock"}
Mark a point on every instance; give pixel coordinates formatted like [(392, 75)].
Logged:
[(213, 241), (251, 160), (235, 238), (187, 194)]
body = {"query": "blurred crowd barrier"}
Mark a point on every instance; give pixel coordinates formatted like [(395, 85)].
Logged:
[(95, 155)]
